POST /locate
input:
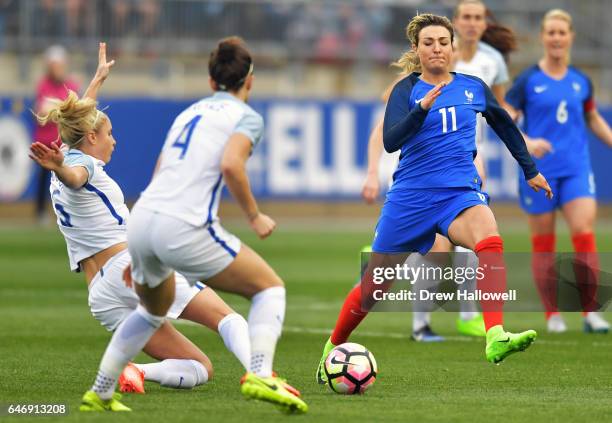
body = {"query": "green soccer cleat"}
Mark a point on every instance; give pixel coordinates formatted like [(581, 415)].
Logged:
[(500, 344), (321, 376), (472, 327), (92, 402), (272, 390)]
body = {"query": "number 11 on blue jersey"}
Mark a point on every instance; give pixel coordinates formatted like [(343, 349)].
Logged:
[(184, 138)]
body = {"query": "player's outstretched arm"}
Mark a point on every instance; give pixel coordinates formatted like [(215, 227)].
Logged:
[(233, 167), (102, 73), (371, 185), (599, 126), (53, 159)]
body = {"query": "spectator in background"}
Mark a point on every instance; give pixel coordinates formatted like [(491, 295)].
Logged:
[(147, 11), (54, 85), (49, 19)]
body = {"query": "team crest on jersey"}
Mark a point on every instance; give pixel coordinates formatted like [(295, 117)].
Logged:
[(469, 97), (576, 86)]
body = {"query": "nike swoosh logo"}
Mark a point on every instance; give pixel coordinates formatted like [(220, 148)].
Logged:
[(504, 340), (334, 361), (273, 386), (539, 90), (419, 100)]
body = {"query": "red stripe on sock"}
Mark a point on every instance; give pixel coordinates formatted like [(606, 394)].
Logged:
[(491, 260)]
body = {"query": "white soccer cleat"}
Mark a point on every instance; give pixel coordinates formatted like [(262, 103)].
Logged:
[(595, 323), (556, 324)]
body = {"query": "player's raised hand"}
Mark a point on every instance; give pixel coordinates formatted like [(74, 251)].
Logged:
[(371, 188), (49, 158), (263, 225), (431, 96), (538, 147), (539, 182), (103, 66)]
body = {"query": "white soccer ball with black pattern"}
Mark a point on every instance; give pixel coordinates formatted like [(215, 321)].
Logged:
[(350, 369)]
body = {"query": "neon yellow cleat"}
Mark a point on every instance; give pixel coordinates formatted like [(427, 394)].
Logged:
[(472, 327), (321, 376), (272, 390), (501, 344), (92, 402)]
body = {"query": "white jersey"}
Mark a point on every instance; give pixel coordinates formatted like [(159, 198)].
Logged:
[(93, 217), (188, 182), (487, 64)]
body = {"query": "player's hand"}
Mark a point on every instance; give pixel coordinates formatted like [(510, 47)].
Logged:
[(538, 147), (431, 96), (539, 182), (103, 66), (127, 276), (263, 225), (371, 188), (48, 158)]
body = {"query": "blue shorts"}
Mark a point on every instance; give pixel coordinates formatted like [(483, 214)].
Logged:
[(410, 220), (565, 189)]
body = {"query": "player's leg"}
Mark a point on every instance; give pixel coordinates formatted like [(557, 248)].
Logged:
[(541, 216), (129, 338), (475, 228), (250, 276), (470, 321), (421, 314), (580, 216), (182, 364), (208, 309)]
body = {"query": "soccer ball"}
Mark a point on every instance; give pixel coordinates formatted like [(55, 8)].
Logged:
[(350, 369)]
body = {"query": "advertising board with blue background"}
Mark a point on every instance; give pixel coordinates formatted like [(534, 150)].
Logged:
[(312, 150)]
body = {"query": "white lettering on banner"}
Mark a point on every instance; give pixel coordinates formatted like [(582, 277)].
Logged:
[(318, 179), (283, 148), (349, 177)]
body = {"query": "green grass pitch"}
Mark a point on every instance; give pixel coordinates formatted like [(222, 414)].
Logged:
[(50, 346)]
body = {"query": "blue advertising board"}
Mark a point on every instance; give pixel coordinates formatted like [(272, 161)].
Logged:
[(312, 149)]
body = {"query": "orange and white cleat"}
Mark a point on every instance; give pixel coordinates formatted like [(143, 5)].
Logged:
[(132, 380), (282, 381)]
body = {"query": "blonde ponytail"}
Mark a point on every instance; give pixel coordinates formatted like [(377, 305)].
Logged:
[(74, 117)]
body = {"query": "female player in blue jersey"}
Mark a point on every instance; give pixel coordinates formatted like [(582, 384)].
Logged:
[(557, 103), (431, 117)]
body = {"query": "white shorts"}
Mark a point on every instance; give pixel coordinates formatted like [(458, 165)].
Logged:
[(160, 244), (110, 301)]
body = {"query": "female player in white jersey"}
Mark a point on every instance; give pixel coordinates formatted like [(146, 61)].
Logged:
[(174, 226), (473, 23), (92, 216)]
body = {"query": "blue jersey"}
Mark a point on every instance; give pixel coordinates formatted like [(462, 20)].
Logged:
[(438, 145), (554, 110)]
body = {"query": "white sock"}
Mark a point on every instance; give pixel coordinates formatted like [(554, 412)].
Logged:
[(174, 373), (235, 333), (127, 341), (421, 310), (420, 319), (265, 326), (469, 260)]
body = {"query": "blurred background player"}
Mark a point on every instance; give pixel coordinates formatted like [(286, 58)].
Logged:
[(557, 103), (174, 225), (436, 188), (472, 22), (92, 217), (54, 85)]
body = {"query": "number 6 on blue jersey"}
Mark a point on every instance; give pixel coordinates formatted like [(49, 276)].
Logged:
[(184, 138)]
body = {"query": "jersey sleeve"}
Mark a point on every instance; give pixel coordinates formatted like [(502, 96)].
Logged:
[(516, 95), (589, 102), (251, 124), (401, 122), (506, 130), (83, 160)]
